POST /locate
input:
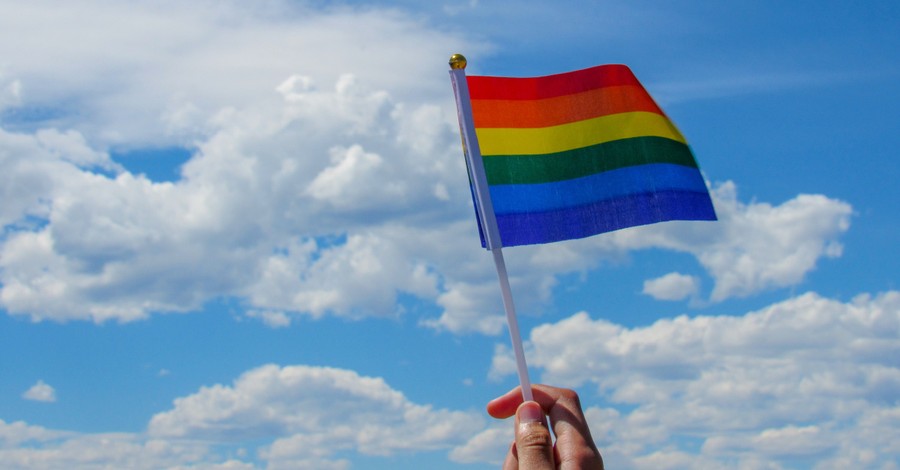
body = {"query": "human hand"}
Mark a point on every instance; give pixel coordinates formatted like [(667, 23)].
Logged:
[(533, 448)]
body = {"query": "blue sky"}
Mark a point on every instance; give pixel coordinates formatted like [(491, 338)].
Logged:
[(239, 236)]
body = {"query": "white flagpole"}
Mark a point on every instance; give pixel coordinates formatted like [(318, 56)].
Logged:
[(485, 210), (513, 323)]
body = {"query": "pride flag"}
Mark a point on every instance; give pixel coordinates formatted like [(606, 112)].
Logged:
[(580, 153)]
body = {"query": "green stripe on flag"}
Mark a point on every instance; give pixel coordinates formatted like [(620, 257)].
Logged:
[(570, 164)]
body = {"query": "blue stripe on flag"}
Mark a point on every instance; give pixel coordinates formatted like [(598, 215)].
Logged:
[(641, 179)]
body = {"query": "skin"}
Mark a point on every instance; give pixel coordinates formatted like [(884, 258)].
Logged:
[(533, 448)]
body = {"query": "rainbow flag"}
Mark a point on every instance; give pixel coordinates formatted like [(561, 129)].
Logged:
[(580, 153)]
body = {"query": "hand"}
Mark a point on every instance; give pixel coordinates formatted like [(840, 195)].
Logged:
[(533, 448)]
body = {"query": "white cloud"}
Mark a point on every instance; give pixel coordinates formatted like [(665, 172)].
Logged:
[(464, 309), (352, 177), (18, 433), (764, 246), (41, 167), (336, 406), (153, 72), (27, 447), (672, 286), (122, 247), (359, 277), (239, 223), (808, 378), (313, 413), (488, 446), (40, 391), (10, 91), (311, 417), (272, 319), (753, 247)]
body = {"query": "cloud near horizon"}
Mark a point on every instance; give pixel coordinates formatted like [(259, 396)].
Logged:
[(307, 416), (808, 379)]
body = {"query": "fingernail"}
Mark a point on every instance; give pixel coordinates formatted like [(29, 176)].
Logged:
[(530, 412)]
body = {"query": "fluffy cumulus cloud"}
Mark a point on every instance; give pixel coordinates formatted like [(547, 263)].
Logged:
[(276, 170), (766, 246), (320, 183), (307, 417), (755, 246), (28, 447), (312, 408), (809, 379)]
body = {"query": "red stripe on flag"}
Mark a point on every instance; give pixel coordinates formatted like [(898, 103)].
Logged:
[(536, 88)]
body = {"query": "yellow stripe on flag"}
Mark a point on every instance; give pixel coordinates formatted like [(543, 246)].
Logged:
[(538, 141)]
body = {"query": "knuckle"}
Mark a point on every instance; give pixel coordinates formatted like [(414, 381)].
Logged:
[(571, 395), (534, 436)]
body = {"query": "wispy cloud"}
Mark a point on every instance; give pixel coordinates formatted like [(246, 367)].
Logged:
[(716, 84)]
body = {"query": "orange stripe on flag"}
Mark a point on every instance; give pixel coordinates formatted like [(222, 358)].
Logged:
[(562, 109)]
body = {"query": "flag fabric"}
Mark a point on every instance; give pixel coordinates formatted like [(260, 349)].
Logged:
[(581, 153)]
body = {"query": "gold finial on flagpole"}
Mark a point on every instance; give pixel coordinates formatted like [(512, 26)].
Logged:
[(457, 61)]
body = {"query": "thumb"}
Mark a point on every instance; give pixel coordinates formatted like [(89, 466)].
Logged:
[(534, 446)]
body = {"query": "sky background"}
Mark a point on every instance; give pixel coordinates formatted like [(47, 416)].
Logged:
[(238, 235)]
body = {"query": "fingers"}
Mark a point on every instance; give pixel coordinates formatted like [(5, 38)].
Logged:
[(534, 445), (574, 446), (548, 397), (573, 436), (505, 406)]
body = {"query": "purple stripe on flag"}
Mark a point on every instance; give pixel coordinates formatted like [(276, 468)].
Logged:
[(603, 216)]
